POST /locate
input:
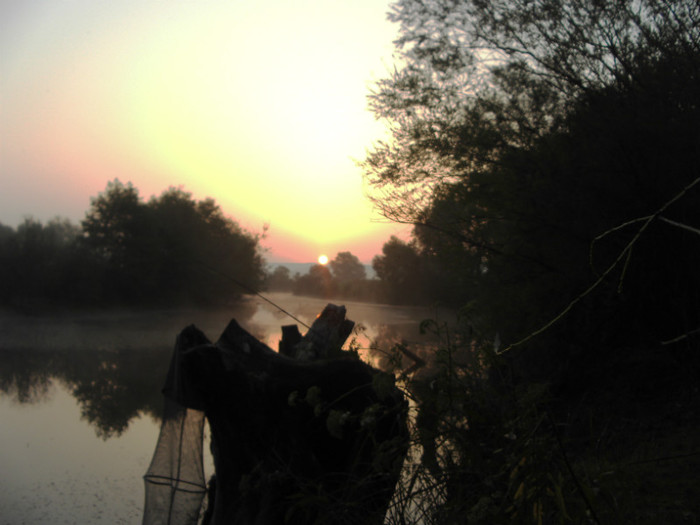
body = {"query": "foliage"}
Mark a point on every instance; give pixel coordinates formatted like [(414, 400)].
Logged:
[(112, 387), (478, 79), (400, 270), (486, 448), (546, 153), (344, 278), (531, 140), (346, 268), (39, 263), (279, 280), (172, 250), (317, 282)]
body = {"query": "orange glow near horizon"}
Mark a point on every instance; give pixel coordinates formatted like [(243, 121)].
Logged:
[(323, 259)]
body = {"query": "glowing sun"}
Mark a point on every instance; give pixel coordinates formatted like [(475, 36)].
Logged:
[(322, 259)]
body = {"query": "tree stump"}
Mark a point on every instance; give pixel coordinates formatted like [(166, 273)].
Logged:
[(318, 438)]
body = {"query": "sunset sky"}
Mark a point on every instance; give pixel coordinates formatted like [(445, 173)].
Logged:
[(260, 105)]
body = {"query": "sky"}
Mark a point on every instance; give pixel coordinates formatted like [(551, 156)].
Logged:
[(259, 105)]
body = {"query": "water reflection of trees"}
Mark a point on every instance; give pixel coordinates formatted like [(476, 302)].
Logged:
[(25, 378), (115, 365), (118, 386), (112, 385)]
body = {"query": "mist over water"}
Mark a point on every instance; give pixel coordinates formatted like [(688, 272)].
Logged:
[(80, 397)]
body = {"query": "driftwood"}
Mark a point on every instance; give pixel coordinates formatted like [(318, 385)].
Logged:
[(314, 438)]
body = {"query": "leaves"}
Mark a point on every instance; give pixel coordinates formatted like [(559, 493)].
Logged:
[(383, 385), (335, 421), (172, 249)]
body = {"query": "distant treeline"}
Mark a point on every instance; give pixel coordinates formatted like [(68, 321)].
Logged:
[(171, 250), (344, 277), (404, 275)]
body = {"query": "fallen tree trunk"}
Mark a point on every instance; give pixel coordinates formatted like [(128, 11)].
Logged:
[(319, 440)]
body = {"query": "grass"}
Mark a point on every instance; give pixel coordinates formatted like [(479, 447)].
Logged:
[(625, 449)]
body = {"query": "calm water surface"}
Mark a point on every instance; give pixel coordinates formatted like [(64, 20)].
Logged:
[(80, 399)]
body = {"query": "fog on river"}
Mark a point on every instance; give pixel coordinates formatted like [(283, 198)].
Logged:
[(80, 397)]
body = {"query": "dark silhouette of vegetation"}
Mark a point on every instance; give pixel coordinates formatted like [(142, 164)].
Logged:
[(111, 386), (113, 363), (279, 280), (347, 268), (402, 272), (345, 277), (317, 282), (546, 153), (39, 263), (171, 250), (311, 440)]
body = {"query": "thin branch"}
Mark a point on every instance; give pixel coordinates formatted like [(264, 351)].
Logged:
[(663, 458), (681, 337), (680, 225), (647, 222), (612, 230), (473, 243)]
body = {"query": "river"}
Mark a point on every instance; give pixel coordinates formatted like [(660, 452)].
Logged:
[(80, 398)]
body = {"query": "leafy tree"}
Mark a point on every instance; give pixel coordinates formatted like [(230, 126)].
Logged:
[(317, 282), (546, 153), (480, 80), (280, 279), (113, 222), (170, 250), (346, 268), (6, 233), (525, 130), (114, 234), (401, 270), (36, 263)]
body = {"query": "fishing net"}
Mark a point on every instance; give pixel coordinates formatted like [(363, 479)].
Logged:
[(175, 484)]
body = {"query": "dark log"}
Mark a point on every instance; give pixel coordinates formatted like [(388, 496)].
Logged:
[(326, 336), (291, 336), (314, 441)]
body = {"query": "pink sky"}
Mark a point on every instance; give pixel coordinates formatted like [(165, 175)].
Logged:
[(259, 106)]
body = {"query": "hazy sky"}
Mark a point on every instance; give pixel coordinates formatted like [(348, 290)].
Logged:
[(260, 105)]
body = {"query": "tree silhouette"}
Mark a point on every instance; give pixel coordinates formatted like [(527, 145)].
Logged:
[(524, 131), (347, 268), (317, 282), (36, 263), (171, 250), (546, 153), (280, 280), (400, 269)]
